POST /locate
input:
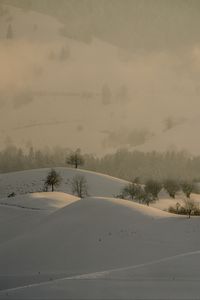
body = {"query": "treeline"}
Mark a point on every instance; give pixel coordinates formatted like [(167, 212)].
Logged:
[(155, 165), (123, 163), (13, 158)]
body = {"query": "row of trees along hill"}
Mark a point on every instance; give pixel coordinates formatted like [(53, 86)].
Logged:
[(122, 164), (149, 192)]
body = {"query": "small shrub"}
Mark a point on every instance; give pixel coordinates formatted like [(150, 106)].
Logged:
[(189, 208), (11, 195)]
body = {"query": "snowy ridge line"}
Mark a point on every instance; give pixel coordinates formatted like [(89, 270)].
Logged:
[(97, 275)]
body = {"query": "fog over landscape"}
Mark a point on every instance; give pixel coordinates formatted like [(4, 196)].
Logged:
[(100, 75), (99, 149)]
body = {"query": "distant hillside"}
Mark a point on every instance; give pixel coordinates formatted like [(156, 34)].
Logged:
[(100, 75), (113, 20)]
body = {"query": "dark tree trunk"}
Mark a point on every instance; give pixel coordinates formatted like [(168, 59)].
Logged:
[(52, 188)]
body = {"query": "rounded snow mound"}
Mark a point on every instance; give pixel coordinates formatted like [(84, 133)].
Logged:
[(89, 234), (40, 201)]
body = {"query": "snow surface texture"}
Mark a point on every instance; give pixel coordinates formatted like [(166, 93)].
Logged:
[(95, 248)]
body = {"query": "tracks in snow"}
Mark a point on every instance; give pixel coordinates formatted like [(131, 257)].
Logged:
[(101, 274)]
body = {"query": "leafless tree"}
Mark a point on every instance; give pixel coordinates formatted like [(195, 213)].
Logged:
[(79, 186), (189, 206), (75, 159), (153, 188), (187, 188), (172, 187)]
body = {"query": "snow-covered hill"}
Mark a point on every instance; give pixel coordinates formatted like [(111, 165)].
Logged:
[(30, 205), (90, 236), (21, 213), (56, 243), (32, 181)]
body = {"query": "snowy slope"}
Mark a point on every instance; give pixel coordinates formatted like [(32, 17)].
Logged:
[(27, 185), (84, 230), (21, 213), (163, 279), (90, 236), (30, 206), (15, 221), (39, 201), (33, 181), (58, 244)]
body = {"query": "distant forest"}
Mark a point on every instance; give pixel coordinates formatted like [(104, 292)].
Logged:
[(122, 164)]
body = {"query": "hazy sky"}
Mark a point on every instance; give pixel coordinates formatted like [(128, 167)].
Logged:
[(99, 75)]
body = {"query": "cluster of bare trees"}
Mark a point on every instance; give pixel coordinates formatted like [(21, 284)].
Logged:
[(149, 192), (78, 183), (142, 193), (134, 190)]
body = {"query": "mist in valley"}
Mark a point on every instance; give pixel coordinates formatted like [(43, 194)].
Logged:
[(99, 149)]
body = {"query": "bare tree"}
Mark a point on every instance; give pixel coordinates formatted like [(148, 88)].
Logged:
[(187, 188), (53, 179), (172, 187), (146, 198), (131, 190), (153, 188), (189, 206), (79, 186), (75, 159)]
